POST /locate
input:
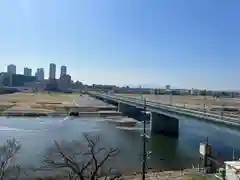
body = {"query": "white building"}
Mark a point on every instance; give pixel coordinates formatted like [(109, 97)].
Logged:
[(11, 69), (232, 170), (40, 74), (27, 71), (52, 71), (194, 92), (63, 71)]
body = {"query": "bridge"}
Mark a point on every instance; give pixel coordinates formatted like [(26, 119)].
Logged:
[(164, 118)]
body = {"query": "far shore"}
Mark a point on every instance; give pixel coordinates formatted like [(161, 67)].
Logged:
[(50, 104)]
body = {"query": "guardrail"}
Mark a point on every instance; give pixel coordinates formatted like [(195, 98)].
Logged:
[(174, 109)]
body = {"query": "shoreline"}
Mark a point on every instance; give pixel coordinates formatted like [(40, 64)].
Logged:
[(185, 174), (169, 174), (110, 116), (60, 114), (54, 104)]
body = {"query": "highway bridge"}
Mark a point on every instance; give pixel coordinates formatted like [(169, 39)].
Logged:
[(164, 118)]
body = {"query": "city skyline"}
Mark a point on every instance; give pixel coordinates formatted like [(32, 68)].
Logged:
[(40, 75), (28, 71), (136, 42)]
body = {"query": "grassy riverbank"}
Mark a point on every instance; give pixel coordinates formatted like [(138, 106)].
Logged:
[(187, 174), (36, 104), (52, 104), (163, 175)]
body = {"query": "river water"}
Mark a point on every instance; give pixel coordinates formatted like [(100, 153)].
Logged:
[(37, 134)]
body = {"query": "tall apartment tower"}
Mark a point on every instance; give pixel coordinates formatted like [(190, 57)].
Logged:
[(63, 71), (27, 71), (40, 74), (52, 71), (11, 68)]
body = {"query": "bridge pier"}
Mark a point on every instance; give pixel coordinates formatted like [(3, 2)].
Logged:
[(160, 123), (128, 110), (165, 125)]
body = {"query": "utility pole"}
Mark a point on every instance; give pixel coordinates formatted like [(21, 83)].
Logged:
[(144, 144), (145, 136), (170, 98), (205, 94), (233, 154)]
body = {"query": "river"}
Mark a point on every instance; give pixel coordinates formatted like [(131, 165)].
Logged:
[(37, 134)]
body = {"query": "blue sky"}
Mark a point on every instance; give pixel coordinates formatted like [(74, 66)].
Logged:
[(185, 43)]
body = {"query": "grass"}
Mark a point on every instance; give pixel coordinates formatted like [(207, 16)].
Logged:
[(188, 99), (196, 177), (200, 177), (36, 102)]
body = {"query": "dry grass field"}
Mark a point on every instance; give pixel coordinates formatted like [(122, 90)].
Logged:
[(171, 175), (190, 101), (35, 102)]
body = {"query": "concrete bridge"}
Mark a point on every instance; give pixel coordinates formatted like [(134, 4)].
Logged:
[(164, 118)]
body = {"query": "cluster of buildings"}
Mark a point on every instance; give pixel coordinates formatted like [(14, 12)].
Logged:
[(64, 83), (38, 80), (163, 91), (12, 69)]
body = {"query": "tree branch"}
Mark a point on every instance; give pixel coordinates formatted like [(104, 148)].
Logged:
[(90, 161)]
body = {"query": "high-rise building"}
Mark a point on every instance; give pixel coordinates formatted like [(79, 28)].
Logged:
[(64, 82), (52, 71), (27, 71), (63, 71), (11, 68), (40, 74)]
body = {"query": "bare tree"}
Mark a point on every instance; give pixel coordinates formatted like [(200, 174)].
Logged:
[(7, 152), (82, 161)]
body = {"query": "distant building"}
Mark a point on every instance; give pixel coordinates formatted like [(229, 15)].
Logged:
[(11, 68), (105, 88), (77, 85), (52, 85), (63, 71), (64, 82), (52, 71), (27, 71), (40, 74), (17, 80), (168, 87), (194, 92)]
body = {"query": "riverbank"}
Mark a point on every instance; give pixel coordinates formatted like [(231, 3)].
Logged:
[(187, 174), (62, 113), (54, 104), (155, 175), (35, 104)]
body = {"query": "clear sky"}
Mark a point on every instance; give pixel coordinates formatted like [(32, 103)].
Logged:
[(185, 43)]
